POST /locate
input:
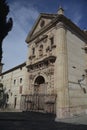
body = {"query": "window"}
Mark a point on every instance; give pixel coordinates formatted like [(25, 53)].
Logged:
[(42, 23), (41, 50), (33, 51), (20, 80), (20, 68), (2, 77), (15, 81), (52, 41), (11, 93)]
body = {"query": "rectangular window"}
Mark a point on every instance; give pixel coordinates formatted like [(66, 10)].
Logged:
[(15, 81), (41, 50), (20, 80), (52, 41), (33, 51)]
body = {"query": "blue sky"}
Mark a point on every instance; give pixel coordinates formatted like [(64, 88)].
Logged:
[(24, 14)]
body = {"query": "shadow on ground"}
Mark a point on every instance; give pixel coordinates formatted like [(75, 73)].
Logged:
[(34, 121)]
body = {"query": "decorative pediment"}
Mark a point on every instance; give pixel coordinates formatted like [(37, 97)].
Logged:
[(42, 21), (45, 21)]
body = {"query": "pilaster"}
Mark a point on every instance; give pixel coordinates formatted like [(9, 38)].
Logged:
[(62, 103)]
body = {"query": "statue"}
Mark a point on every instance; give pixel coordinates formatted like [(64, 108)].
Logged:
[(5, 25)]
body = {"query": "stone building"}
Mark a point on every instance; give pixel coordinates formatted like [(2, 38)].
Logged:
[(57, 64), (13, 81), (56, 67)]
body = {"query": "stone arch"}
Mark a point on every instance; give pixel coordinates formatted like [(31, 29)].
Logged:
[(40, 80), (40, 84), (43, 75)]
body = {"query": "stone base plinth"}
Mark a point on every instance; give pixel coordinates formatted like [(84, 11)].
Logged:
[(62, 113)]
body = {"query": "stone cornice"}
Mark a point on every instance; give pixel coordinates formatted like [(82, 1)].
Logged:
[(50, 58), (74, 28), (17, 67), (60, 18), (60, 25), (40, 39)]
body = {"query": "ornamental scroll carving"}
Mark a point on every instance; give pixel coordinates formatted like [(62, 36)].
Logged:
[(49, 72), (31, 77)]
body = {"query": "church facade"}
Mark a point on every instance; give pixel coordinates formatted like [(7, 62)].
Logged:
[(56, 67)]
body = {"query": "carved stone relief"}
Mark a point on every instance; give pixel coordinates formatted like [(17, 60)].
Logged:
[(31, 77)]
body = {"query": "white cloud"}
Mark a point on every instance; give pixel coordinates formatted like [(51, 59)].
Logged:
[(14, 46), (23, 14)]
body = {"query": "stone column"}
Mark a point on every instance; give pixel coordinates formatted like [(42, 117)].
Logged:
[(61, 71)]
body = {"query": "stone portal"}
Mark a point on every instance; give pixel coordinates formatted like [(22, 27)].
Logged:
[(39, 85)]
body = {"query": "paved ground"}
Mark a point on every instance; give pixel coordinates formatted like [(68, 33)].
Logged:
[(34, 121), (82, 119)]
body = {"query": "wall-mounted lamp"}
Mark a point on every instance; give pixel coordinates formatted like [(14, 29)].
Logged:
[(79, 81)]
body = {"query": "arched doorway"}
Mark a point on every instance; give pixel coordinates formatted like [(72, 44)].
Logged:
[(39, 85), (39, 93), (40, 100)]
